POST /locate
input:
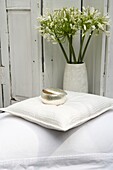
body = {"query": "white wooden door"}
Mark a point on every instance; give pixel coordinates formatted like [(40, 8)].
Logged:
[(23, 56)]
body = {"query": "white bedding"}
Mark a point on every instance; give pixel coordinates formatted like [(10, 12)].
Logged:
[(24, 145)]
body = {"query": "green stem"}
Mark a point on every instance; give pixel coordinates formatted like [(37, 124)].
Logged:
[(87, 43), (62, 48), (72, 50), (80, 51)]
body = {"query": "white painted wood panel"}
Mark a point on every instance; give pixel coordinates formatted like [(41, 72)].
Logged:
[(4, 55), (1, 104), (24, 53), (108, 88), (1, 77), (53, 56), (36, 48), (18, 3), (20, 53), (2, 74), (0, 60), (20, 44), (96, 53)]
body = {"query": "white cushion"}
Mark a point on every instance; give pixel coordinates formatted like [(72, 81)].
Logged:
[(79, 108)]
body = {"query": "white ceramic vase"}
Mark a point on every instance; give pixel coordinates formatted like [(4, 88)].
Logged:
[(75, 78)]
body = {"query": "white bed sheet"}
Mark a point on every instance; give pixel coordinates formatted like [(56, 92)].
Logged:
[(24, 145)]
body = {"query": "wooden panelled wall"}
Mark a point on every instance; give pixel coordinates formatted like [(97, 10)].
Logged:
[(28, 63), (20, 48)]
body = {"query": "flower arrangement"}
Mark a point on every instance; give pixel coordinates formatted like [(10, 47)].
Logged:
[(64, 24)]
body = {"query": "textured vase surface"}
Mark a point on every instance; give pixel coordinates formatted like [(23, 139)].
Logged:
[(75, 78)]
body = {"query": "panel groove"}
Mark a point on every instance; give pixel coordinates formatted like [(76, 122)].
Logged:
[(18, 9), (0, 54), (2, 90), (81, 30), (6, 3), (107, 6), (42, 41), (82, 4), (10, 77)]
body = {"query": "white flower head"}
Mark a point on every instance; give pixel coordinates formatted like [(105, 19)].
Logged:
[(93, 27), (84, 27), (92, 10)]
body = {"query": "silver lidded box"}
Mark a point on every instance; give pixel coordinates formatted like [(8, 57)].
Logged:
[(53, 96)]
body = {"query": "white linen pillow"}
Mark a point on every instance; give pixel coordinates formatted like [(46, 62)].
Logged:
[(79, 108)]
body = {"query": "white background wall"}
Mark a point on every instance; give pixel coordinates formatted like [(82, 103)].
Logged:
[(30, 63), (108, 81)]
